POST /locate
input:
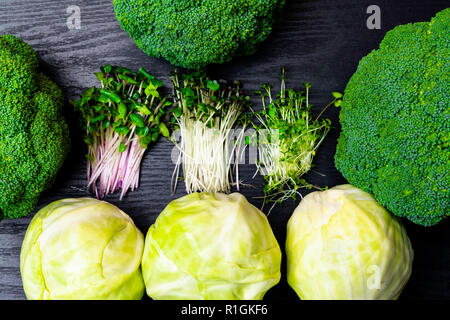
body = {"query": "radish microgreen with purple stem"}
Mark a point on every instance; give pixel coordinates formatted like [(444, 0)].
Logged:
[(121, 119)]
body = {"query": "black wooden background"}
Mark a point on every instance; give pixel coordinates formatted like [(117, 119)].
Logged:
[(319, 41)]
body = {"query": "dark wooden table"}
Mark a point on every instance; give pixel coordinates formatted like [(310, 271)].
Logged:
[(319, 41)]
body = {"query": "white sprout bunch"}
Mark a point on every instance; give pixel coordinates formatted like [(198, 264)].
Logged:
[(208, 114)]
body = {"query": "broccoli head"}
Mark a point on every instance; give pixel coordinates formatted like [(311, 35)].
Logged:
[(395, 122), (34, 138), (193, 34)]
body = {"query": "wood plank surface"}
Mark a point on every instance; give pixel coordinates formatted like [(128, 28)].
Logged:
[(319, 41)]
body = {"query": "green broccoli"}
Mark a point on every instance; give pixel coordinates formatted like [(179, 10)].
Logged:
[(395, 122), (193, 34), (34, 138)]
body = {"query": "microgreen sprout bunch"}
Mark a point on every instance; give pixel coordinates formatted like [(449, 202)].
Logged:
[(290, 140), (121, 119), (208, 113)]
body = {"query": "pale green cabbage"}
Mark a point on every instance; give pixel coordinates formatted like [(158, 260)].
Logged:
[(82, 249), (341, 244), (210, 246)]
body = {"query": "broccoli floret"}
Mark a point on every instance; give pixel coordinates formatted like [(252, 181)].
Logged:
[(193, 34), (395, 122), (34, 137)]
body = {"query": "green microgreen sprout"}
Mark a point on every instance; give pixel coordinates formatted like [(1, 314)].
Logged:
[(288, 138), (121, 119), (208, 113)]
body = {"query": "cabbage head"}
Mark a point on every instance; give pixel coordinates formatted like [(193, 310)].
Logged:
[(341, 244), (82, 249), (212, 247)]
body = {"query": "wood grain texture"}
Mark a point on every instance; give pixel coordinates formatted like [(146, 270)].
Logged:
[(319, 41)]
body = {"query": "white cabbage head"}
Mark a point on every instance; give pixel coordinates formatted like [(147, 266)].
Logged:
[(341, 244), (82, 249), (210, 246)]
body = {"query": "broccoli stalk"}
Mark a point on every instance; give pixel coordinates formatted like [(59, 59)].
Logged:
[(121, 119)]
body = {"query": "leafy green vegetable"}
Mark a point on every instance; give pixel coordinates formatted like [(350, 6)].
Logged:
[(34, 137), (342, 245), (395, 122), (208, 113), (121, 119), (210, 246), (193, 34), (288, 137), (82, 249)]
